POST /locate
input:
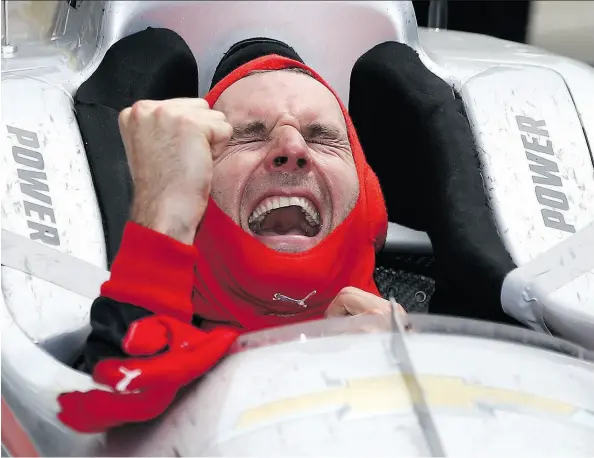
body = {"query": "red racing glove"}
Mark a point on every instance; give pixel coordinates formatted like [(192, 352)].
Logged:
[(145, 387)]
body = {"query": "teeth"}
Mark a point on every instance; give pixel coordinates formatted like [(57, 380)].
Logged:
[(272, 203)]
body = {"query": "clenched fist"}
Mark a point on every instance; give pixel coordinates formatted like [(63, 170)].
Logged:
[(170, 146), (353, 301)]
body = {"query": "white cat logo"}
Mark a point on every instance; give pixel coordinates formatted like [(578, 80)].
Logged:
[(129, 375)]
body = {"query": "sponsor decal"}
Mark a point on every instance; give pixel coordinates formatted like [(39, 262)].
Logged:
[(388, 394), (37, 201), (548, 185)]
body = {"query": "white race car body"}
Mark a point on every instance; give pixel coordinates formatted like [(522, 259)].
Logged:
[(310, 392)]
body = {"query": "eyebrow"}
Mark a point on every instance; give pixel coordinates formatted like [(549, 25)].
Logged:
[(250, 130), (318, 131)]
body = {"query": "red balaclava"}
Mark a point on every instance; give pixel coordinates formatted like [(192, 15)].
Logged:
[(238, 277)]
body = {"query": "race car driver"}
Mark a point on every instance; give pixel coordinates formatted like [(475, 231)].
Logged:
[(253, 207)]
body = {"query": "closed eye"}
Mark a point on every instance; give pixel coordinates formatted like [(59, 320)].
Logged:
[(247, 141)]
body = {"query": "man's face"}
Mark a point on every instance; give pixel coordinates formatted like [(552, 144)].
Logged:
[(287, 175)]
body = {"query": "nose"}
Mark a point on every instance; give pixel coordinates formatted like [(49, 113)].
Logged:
[(289, 153)]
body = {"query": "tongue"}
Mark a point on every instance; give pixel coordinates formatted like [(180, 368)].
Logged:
[(284, 221)]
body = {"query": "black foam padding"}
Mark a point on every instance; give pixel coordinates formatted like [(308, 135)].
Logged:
[(417, 139), (246, 50), (411, 290), (154, 64)]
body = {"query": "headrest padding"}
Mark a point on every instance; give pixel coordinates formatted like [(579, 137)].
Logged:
[(245, 51)]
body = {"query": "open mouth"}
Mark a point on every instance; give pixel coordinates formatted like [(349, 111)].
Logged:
[(285, 216)]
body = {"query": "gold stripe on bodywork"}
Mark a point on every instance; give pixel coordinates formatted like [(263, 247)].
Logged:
[(388, 394)]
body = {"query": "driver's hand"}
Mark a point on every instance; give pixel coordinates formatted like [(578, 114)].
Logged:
[(353, 301), (170, 147)]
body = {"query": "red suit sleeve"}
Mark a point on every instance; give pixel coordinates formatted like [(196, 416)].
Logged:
[(153, 271)]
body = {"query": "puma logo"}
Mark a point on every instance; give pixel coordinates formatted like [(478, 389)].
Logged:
[(301, 302), (129, 375)]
